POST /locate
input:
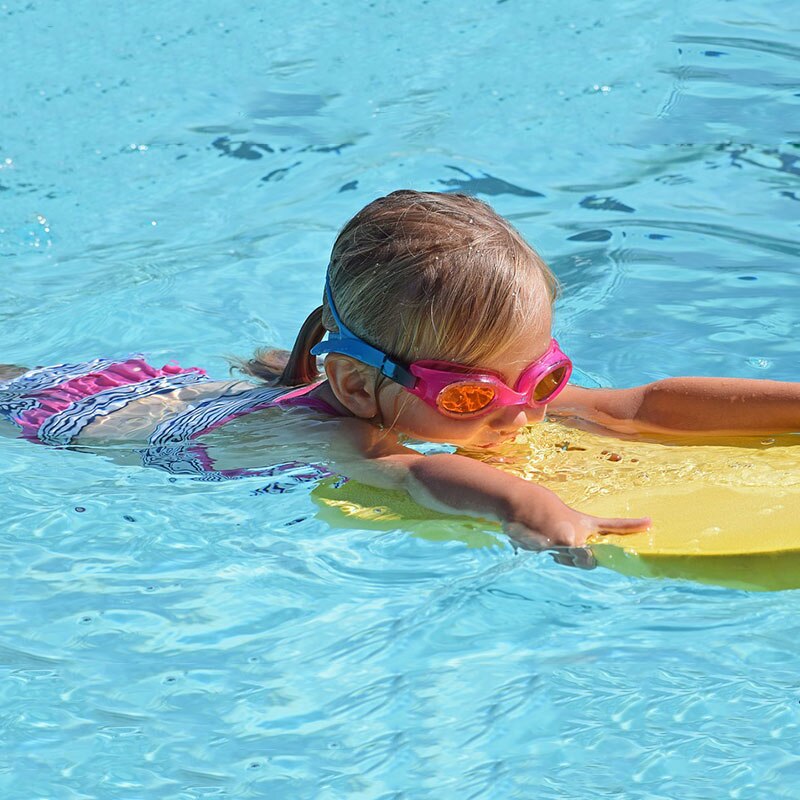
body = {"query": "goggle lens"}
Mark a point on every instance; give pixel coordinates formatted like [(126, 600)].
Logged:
[(465, 398), (549, 384)]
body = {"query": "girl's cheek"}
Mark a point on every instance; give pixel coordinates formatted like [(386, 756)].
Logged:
[(395, 403), (417, 419), (409, 415)]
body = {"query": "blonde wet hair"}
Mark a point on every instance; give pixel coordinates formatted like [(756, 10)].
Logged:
[(422, 275)]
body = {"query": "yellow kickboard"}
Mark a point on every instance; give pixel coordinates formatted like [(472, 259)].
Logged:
[(725, 511)]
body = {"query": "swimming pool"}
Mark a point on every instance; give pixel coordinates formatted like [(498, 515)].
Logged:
[(172, 177)]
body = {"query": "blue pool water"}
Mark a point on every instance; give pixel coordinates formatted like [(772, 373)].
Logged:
[(172, 176)]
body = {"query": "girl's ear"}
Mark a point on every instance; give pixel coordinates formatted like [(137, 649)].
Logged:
[(353, 383)]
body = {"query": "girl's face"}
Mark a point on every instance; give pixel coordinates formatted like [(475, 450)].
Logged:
[(405, 413)]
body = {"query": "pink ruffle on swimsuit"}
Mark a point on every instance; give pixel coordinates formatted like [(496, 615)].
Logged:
[(52, 405)]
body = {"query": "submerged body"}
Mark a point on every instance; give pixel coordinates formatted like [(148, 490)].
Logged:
[(182, 421), (438, 319), (168, 414)]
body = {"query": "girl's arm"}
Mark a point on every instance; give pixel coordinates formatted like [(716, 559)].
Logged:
[(455, 484), (532, 515), (681, 405)]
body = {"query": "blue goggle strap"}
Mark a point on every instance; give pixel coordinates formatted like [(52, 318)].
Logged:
[(346, 343)]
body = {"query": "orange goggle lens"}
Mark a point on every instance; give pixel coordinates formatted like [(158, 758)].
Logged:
[(465, 398), (548, 384)]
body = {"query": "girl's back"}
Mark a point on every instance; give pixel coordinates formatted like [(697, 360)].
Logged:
[(130, 400)]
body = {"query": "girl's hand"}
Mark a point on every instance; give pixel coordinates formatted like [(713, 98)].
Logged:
[(703, 406), (558, 525), (532, 515)]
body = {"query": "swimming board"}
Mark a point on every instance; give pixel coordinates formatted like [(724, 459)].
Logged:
[(725, 511)]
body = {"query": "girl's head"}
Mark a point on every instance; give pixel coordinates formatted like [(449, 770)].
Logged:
[(436, 276), (422, 275)]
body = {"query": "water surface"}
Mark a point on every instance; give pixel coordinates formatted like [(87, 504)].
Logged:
[(172, 177)]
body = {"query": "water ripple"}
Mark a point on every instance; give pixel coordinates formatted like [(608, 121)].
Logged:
[(743, 42)]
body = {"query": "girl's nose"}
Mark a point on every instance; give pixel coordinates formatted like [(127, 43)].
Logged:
[(535, 414), (510, 418)]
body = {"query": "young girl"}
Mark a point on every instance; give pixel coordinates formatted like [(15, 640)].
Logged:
[(438, 318)]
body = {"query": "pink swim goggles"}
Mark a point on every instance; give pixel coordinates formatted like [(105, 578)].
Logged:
[(455, 390), (459, 391)]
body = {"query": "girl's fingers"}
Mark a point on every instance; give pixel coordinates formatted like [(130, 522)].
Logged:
[(622, 525), (580, 557), (526, 538), (572, 531)]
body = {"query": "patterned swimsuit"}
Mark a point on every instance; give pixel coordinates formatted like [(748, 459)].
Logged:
[(52, 405)]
